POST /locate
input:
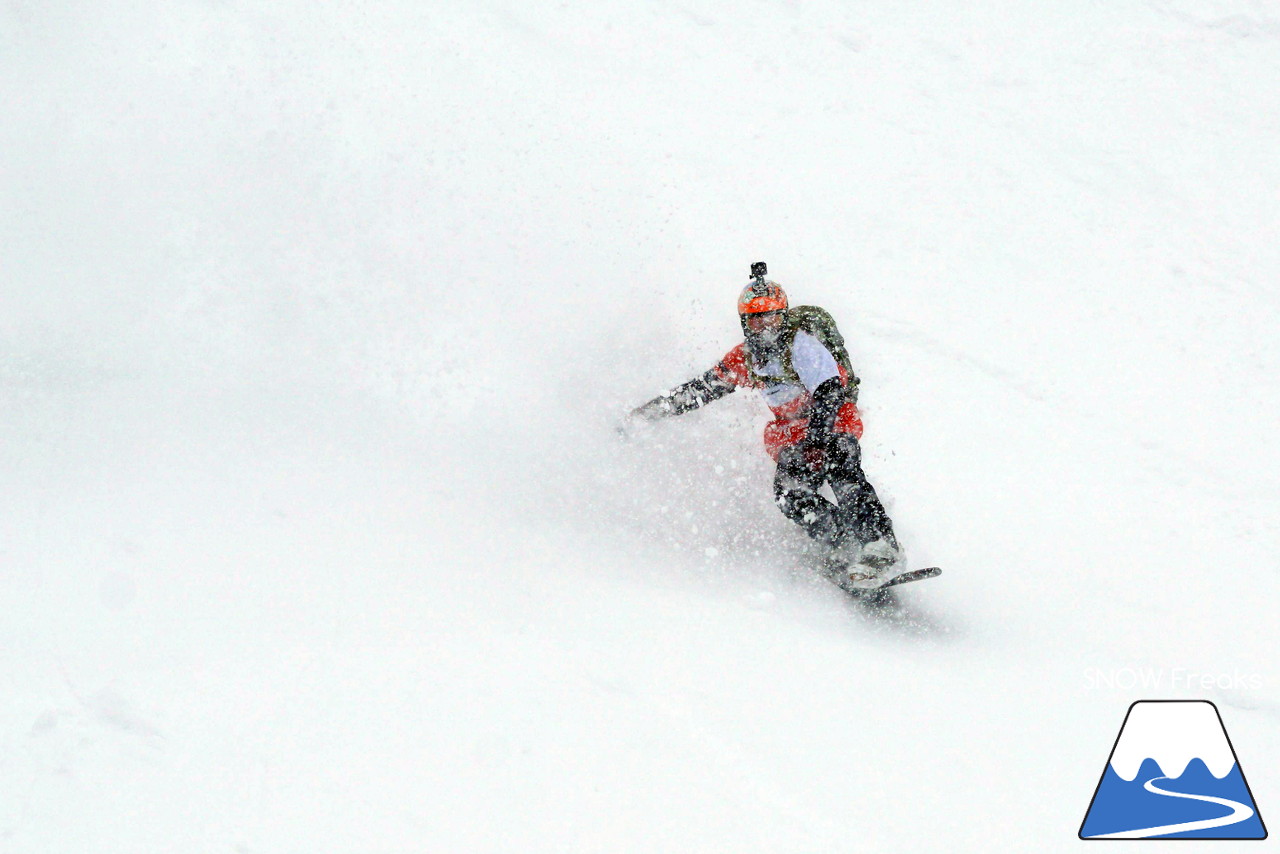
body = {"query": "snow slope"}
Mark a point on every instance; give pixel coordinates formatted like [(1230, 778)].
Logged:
[(316, 322)]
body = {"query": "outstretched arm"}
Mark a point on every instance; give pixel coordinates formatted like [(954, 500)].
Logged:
[(697, 392)]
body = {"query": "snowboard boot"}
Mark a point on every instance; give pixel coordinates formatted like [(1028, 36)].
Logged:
[(876, 563)]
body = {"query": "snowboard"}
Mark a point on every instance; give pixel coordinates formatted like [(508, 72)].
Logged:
[(840, 579), (911, 575)]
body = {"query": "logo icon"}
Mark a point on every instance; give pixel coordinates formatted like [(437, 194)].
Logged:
[(1173, 774)]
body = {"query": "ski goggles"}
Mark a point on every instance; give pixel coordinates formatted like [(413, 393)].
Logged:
[(762, 321)]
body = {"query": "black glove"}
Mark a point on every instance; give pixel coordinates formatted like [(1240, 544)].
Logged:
[(660, 407), (814, 457)]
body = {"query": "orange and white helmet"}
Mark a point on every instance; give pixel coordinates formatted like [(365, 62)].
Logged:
[(761, 295)]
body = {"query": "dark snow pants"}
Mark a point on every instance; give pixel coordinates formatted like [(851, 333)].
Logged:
[(858, 512)]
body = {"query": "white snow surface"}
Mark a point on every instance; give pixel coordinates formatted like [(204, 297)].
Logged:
[(316, 321), (1172, 734)]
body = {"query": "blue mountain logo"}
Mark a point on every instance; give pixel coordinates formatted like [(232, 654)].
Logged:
[(1173, 774)]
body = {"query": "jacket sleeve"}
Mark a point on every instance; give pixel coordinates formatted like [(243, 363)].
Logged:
[(688, 396)]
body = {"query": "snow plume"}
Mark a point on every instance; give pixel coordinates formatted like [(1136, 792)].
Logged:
[(301, 206)]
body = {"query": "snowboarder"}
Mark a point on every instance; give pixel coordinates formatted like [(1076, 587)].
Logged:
[(797, 359)]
